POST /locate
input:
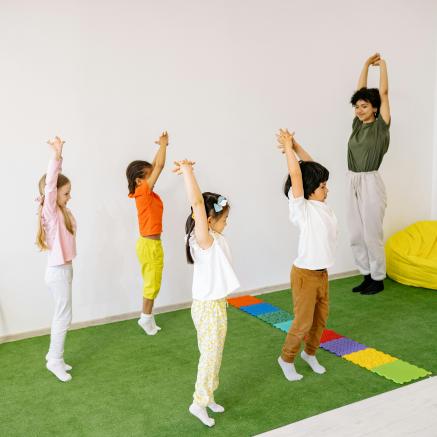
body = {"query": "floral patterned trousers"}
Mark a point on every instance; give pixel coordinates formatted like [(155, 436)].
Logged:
[(211, 322)]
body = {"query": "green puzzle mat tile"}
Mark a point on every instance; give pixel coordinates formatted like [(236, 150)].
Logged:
[(400, 371), (275, 317)]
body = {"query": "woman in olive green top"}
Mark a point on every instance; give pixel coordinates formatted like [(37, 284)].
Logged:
[(367, 146)]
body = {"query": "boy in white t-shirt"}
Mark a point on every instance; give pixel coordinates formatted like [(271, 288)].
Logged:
[(213, 279), (307, 191)]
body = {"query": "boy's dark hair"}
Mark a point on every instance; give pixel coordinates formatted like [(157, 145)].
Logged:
[(136, 169), (370, 95), (209, 199), (313, 174)]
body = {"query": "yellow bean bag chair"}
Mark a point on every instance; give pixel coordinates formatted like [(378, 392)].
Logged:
[(412, 255)]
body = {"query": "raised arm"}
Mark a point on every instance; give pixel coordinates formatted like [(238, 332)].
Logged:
[(285, 139), (53, 170), (159, 160), (383, 90), (362, 80), (301, 152), (201, 228)]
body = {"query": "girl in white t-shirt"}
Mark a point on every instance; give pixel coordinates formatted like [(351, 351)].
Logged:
[(213, 279)]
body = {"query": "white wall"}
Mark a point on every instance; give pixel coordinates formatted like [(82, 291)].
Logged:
[(434, 172), (221, 77)]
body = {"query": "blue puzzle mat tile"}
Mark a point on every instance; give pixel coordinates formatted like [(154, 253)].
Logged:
[(283, 326), (259, 308)]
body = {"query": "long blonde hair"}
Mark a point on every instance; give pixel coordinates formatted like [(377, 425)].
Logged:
[(41, 238)]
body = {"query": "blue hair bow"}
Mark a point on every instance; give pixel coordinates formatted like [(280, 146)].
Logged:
[(221, 202)]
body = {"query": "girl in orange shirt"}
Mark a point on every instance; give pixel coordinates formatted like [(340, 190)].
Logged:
[(141, 177)]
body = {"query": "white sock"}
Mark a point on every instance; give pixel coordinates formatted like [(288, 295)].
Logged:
[(289, 370), (147, 323), (313, 363), (58, 369), (216, 408), (154, 323), (67, 367), (201, 414)]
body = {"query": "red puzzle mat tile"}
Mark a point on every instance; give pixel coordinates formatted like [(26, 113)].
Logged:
[(329, 335)]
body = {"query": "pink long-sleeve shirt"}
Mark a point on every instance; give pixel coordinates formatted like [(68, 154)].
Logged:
[(61, 243)]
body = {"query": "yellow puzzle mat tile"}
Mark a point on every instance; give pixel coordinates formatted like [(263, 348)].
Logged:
[(369, 358)]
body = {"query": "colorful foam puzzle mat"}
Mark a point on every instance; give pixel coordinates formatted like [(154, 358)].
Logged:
[(378, 362)]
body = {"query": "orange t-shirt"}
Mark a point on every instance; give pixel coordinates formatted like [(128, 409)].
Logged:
[(150, 208)]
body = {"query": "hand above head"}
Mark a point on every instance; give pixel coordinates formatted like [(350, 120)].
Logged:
[(285, 139), (373, 60), (56, 144), (183, 166), (378, 62), (163, 139)]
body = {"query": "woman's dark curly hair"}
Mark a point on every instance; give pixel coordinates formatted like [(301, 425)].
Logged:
[(370, 95)]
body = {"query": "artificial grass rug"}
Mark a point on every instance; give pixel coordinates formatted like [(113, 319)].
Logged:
[(125, 383)]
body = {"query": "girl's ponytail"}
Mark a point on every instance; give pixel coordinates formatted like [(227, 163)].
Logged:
[(41, 233), (215, 206), (189, 227)]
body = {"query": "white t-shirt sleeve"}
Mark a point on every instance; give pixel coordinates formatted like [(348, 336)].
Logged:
[(197, 252), (213, 274), (298, 209)]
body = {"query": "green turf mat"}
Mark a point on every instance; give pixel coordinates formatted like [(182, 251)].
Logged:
[(127, 384)]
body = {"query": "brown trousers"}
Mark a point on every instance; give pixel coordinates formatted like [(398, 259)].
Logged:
[(309, 289)]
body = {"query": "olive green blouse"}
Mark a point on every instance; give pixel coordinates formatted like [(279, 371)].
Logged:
[(367, 145)]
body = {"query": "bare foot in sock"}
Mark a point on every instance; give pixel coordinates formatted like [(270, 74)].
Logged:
[(289, 370), (67, 367), (158, 328), (58, 369), (313, 363), (148, 326), (201, 414), (216, 408)]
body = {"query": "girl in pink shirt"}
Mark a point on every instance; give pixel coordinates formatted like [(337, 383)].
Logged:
[(57, 235)]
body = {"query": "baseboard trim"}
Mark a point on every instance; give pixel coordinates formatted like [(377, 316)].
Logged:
[(163, 309)]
